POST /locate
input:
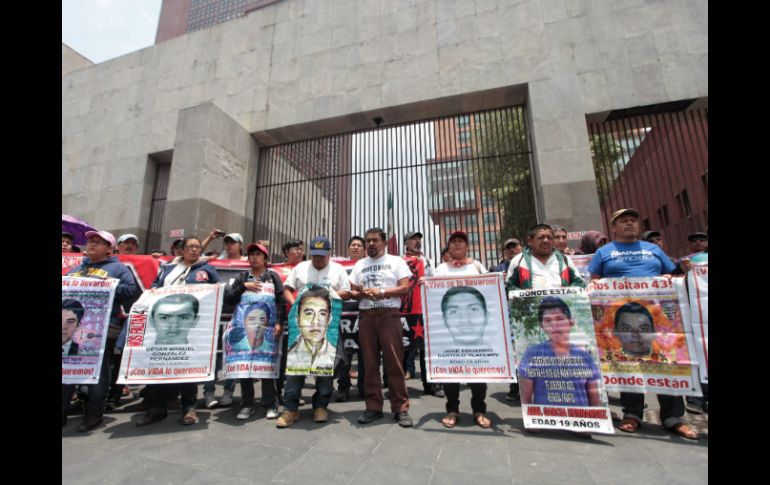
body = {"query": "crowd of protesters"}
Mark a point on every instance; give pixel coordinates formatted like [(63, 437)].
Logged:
[(542, 261)]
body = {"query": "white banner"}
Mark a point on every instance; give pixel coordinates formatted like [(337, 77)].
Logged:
[(85, 316), (172, 335), (645, 343), (560, 380), (467, 330)]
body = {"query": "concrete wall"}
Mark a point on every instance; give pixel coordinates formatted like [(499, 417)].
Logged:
[(307, 67), (72, 60)]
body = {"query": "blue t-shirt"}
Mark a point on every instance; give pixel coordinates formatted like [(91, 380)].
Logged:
[(559, 380), (636, 259)]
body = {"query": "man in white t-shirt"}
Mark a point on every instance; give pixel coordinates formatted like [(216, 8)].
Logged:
[(378, 281), (320, 269)]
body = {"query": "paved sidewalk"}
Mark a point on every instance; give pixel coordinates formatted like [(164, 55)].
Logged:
[(221, 449)]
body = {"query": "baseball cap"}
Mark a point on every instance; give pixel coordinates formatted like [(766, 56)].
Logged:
[(320, 246), (459, 234), (697, 235), (126, 237), (512, 240), (621, 212), (257, 247), (411, 234), (104, 235), (235, 237), (647, 235)]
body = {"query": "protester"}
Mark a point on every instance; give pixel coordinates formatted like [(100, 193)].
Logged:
[(128, 244), (294, 252), (356, 248), (100, 263), (187, 269), (320, 270), (378, 281), (590, 242), (511, 248), (627, 256), (560, 240), (343, 371), (411, 309), (66, 243), (252, 280), (176, 248), (462, 265)]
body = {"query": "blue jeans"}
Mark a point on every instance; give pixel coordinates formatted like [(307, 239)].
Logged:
[(210, 386), (293, 390)]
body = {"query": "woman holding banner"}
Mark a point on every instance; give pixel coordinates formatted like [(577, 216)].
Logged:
[(471, 303), (187, 269), (256, 321)]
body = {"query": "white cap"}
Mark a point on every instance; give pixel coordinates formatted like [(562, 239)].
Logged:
[(126, 237)]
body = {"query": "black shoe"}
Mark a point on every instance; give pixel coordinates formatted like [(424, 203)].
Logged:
[(513, 396), (341, 395), (369, 416), (403, 418), (90, 422), (151, 417), (438, 391)]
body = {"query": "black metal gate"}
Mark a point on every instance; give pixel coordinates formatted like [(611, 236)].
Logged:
[(470, 172), (655, 159)]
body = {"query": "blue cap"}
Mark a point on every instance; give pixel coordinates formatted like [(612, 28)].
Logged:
[(320, 246)]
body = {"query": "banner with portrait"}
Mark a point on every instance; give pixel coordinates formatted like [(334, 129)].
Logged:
[(86, 304), (560, 380), (698, 288), (645, 344), (250, 346), (466, 329), (314, 331), (172, 335)]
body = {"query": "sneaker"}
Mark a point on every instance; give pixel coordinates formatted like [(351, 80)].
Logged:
[(341, 395), (245, 413), (320, 415), (227, 398), (190, 417), (403, 418), (272, 413), (439, 392), (369, 416), (287, 419), (211, 401)]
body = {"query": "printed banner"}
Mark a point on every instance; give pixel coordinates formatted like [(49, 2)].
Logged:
[(581, 263), (644, 342), (86, 304), (560, 380), (314, 326), (145, 268), (466, 329), (172, 335), (698, 285), (251, 349)]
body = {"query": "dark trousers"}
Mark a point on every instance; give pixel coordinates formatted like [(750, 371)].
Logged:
[(269, 396), (342, 371), (416, 345), (478, 394), (161, 394), (380, 330), (671, 407)]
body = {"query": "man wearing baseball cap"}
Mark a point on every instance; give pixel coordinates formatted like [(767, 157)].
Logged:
[(511, 248), (319, 270), (627, 256), (128, 244), (101, 264), (411, 308)]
